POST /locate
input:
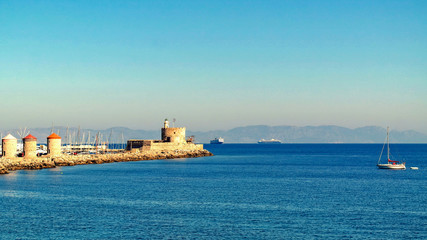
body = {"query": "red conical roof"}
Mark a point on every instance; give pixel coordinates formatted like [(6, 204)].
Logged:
[(30, 137), (53, 136)]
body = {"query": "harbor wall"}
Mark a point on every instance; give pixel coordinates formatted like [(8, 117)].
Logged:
[(7, 165), (156, 145), (175, 146)]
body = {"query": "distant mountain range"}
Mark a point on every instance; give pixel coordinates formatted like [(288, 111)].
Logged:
[(312, 134), (248, 134)]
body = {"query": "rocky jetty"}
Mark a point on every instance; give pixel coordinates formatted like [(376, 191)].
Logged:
[(13, 164)]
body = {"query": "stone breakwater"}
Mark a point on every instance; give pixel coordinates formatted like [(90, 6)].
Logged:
[(7, 165)]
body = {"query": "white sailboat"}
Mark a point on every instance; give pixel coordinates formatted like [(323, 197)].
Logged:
[(393, 165)]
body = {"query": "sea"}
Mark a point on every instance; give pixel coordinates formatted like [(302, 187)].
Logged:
[(245, 191)]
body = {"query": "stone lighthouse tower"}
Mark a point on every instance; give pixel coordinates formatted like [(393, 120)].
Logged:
[(30, 146), (173, 135), (54, 145), (9, 146)]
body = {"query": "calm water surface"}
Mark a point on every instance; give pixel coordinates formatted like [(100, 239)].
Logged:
[(288, 191)]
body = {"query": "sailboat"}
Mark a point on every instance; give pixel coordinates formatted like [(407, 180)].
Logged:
[(393, 165)]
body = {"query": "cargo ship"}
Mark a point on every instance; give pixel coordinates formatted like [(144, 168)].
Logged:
[(271, 141), (217, 141)]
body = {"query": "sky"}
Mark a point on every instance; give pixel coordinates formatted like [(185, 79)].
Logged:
[(213, 65)]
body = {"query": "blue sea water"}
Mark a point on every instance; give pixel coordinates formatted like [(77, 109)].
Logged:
[(287, 191)]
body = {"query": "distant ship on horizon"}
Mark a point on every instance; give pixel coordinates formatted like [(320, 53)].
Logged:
[(219, 140), (271, 141)]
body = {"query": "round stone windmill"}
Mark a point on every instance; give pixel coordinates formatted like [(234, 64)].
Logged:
[(54, 145), (30, 146), (9, 144)]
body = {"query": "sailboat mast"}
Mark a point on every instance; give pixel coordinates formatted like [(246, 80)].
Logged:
[(123, 142), (388, 147)]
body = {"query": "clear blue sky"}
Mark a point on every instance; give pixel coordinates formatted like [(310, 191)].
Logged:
[(213, 64)]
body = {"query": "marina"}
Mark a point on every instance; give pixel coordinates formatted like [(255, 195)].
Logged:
[(173, 144)]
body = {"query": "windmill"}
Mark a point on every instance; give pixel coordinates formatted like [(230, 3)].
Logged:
[(22, 132)]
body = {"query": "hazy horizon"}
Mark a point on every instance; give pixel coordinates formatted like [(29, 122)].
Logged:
[(213, 65), (2, 130)]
